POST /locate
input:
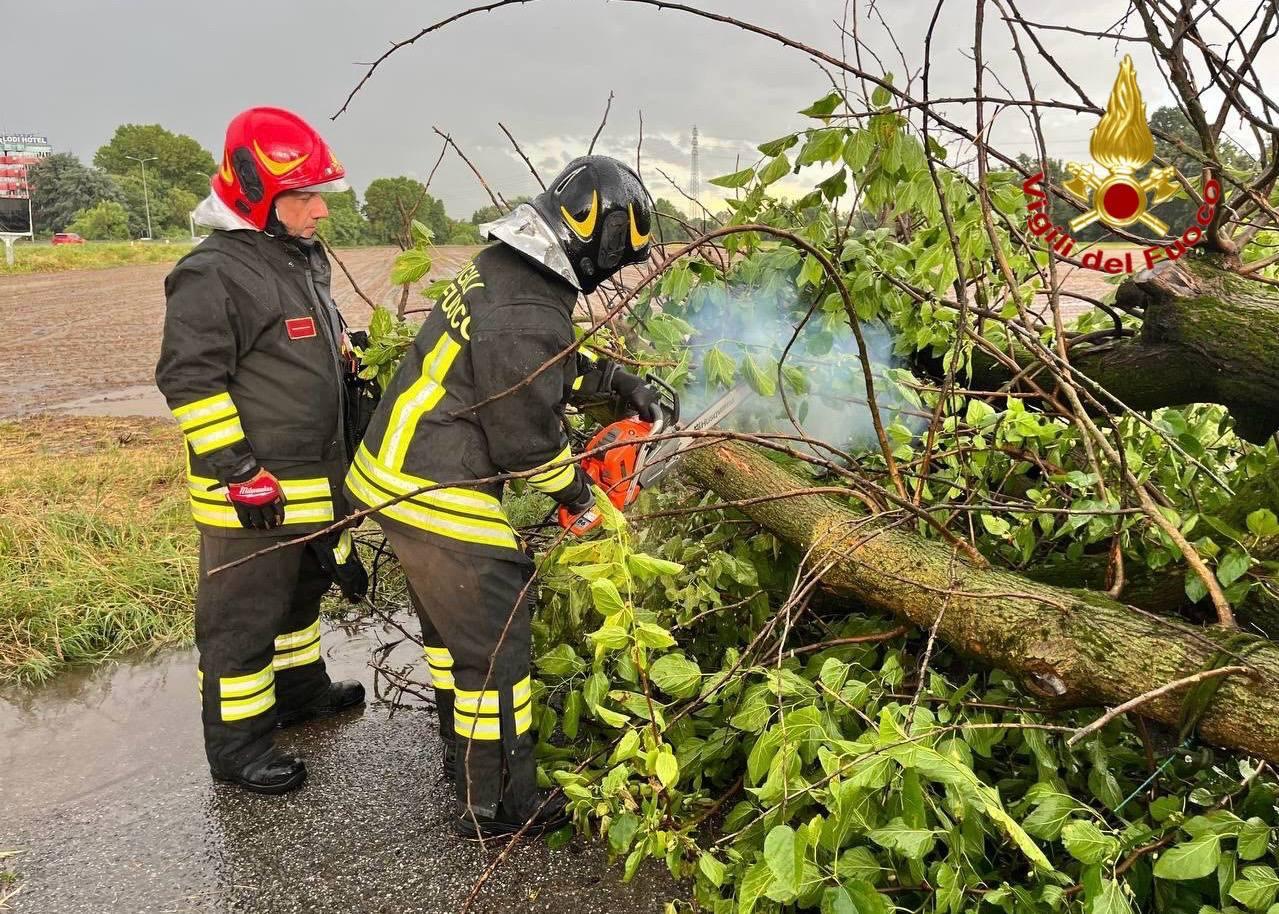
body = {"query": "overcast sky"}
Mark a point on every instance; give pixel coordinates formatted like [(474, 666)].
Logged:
[(544, 69)]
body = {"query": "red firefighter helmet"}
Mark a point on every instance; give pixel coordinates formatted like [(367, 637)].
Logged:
[(269, 151)]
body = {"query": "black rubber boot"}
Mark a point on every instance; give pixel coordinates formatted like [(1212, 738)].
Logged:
[(336, 698), (546, 815), (449, 747), (273, 772)]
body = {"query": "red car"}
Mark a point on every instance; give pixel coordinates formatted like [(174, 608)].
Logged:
[(67, 238)]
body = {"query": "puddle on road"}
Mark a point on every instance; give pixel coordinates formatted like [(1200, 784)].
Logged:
[(105, 789), (139, 400)]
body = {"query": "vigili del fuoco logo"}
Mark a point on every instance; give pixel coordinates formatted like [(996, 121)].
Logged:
[(1114, 189)]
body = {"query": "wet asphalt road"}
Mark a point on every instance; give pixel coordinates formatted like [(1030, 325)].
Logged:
[(104, 789)]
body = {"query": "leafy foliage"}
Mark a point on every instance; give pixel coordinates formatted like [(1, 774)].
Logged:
[(105, 221), (777, 756), (62, 186)]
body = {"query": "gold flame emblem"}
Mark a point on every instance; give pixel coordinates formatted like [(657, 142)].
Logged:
[(1121, 145)]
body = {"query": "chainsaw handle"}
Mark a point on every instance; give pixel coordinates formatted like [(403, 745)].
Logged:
[(668, 401)]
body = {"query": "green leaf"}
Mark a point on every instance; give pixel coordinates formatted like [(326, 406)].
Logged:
[(858, 150), (720, 369), (1086, 843), (1263, 522), (611, 717), (1254, 839), (996, 526), (606, 598), (621, 832), (626, 747), (756, 879), (762, 382), (572, 714), (784, 863), (421, 234), (824, 105), (1112, 900), (650, 635), (911, 843), (811, 273), (561, 660), (881, 96), (1050, 815), (410, 266), (736, 179), (676, 675), (381, 323), (823, 145), (649, 568), (775, 170), (613, 637), (712, 869), (779, 145), (667, 768), (1195, 589), (1256, 890), (1232, 567), (1191, 860)]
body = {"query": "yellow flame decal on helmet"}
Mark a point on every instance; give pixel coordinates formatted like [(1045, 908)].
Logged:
[(586, 227), (225, 172), (637, 240), (278, 168)]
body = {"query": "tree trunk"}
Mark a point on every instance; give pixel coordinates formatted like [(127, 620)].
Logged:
[(1208, 336), (1073, 646)]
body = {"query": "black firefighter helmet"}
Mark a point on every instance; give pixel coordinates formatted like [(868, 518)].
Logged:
[(602, 216)]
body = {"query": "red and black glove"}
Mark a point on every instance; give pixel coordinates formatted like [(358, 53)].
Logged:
[(258, 500)]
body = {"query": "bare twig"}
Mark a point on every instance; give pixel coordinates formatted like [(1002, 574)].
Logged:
[(1153, 694), (604, 120)]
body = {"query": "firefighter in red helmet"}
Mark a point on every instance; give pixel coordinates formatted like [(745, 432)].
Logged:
[(252, 365)]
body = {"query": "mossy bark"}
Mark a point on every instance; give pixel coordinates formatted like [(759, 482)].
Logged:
[(1075, 646), (1208, 336)]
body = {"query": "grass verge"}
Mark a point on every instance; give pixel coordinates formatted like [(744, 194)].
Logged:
[(97, 549), (49, 258)]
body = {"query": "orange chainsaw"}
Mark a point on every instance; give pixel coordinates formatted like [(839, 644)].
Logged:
[(632, 462)]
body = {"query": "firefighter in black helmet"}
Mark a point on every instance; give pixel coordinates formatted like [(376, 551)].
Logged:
[(451, 414)]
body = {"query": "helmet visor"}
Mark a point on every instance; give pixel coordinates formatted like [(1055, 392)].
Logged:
[(335, 186)]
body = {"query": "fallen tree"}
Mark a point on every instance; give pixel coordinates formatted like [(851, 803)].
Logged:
[(1075, 647), (1207, 336)]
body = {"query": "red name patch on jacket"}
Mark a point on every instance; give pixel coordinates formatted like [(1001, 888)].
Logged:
[(300, 327)]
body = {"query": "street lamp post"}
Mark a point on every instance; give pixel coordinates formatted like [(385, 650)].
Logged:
[(146, 200)]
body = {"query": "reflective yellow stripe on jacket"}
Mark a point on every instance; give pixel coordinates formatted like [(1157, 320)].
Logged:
[(460, 514), (210, 423), (558, 478), (417, 401)]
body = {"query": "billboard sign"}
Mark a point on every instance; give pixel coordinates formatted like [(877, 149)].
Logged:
[(17, 151)]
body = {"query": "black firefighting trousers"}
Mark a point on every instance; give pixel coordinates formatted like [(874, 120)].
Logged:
[(475, 624), (257, 628)]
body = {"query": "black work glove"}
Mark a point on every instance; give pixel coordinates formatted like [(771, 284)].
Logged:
[(338, 557), (635, 395)]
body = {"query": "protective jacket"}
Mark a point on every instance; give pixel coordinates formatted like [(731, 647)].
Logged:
[(251, 366), (502, 318)]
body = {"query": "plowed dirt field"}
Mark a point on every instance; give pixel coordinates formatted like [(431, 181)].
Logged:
[(86, 341)]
